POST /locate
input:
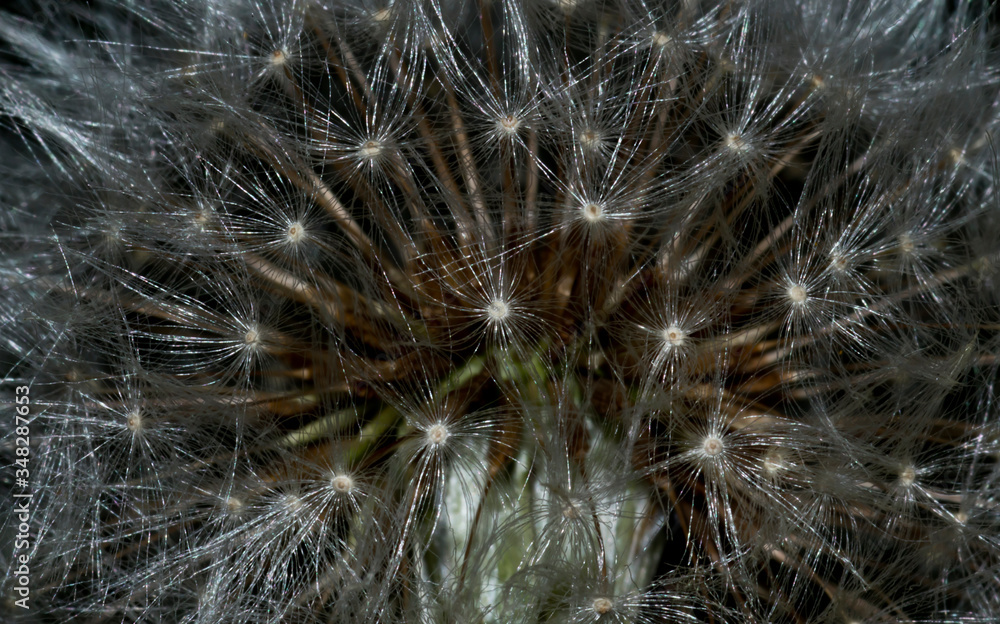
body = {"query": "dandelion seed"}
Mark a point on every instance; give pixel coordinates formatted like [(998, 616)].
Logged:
[(838, 262), (906, 244), (292, 503), (113, 234), (202, 219), (252, 338), (371, 150), (983, 265), (736, 144), (773, 463), (438, 434), (296, 233), (907, 476), (590, 139), (603, 605), (497, 311), (797, 294), (712, 446), (342, 483), (277, 59), (674, 337), (508, 126), (661, 39), (570, 511), (134, 421), (234, 505), (504, 312), (593, 212), (568, 6)]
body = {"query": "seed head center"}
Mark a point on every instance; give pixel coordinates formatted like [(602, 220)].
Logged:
[(497, 310), (134, 420), (736, 143), (296, 232), (370, 149), (509, 125), (342, 484), (712, 446), (593, 212), (590, 139), (602, 605), (907, 476), (252, 337), (438, 434), (292, 502), (906, 244), (838, 262), (567, 5), (773, 463), (278, 58), (674, 336), (797, 294)]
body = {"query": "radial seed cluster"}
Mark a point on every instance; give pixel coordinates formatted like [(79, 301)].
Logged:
[(503, 311)]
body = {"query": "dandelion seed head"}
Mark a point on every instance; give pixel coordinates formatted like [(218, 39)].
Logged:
[(674, 337), (736, 144), (233, 504), (277, 59), (291, 502), (568, 6), (712, 446), (497, 310), (342, 483), (590, 139), (134, 421), (592, 212), (773, 463), (296, 233), (839, 264), (371, 149), (661, 39), (907, 476), (797, 295), (603, 605), (252, 337), (508, 126), (906, 244), (438, 434), (585, 282)]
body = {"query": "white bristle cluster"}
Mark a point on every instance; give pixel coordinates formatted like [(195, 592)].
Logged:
[(574, 311)]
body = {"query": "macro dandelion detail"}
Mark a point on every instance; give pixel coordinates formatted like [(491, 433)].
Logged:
[(500, 311)]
